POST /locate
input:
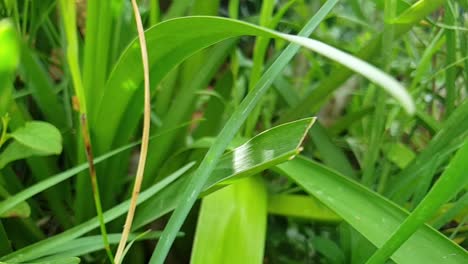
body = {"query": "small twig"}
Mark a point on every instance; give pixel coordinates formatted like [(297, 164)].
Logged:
[(144, 140)]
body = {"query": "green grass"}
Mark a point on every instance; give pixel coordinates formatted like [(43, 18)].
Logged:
[(335, 129)]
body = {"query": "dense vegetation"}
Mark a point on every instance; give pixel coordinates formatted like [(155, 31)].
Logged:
[(280, 131)]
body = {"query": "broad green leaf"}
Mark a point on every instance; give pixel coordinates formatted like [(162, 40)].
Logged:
[(233, 219), (302, 206), (16, 151), (268, 149), (39, 136), (375, 217), (452, 181)]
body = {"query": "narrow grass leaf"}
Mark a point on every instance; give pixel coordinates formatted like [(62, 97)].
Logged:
[(375, 217), (447, 186), (370, 72)]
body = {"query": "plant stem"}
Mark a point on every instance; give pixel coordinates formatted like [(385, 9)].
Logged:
[(144, 141), (67, 7)]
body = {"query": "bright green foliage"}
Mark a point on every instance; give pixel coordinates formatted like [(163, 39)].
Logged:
[(234, 220), (39, 136), (373, 216), (235, 89), (303, 206)]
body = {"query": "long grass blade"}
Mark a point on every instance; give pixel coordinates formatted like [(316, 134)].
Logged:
[(375, 217), (449, 184)]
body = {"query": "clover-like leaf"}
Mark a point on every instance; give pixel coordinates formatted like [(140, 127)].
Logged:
[(41, 137)]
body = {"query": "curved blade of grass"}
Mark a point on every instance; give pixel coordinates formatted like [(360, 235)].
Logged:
[(385, 81), (449, 184), (251, 154), (375, 217), (409, 18)]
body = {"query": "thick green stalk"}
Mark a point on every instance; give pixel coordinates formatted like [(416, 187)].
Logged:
[(193, 189)]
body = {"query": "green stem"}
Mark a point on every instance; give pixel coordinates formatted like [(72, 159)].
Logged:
[(67, 7)]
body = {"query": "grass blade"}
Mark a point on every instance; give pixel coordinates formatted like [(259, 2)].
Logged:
[(375, 217), (449, 184)]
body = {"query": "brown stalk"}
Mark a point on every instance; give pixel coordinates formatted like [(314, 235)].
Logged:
[(144, 139)]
